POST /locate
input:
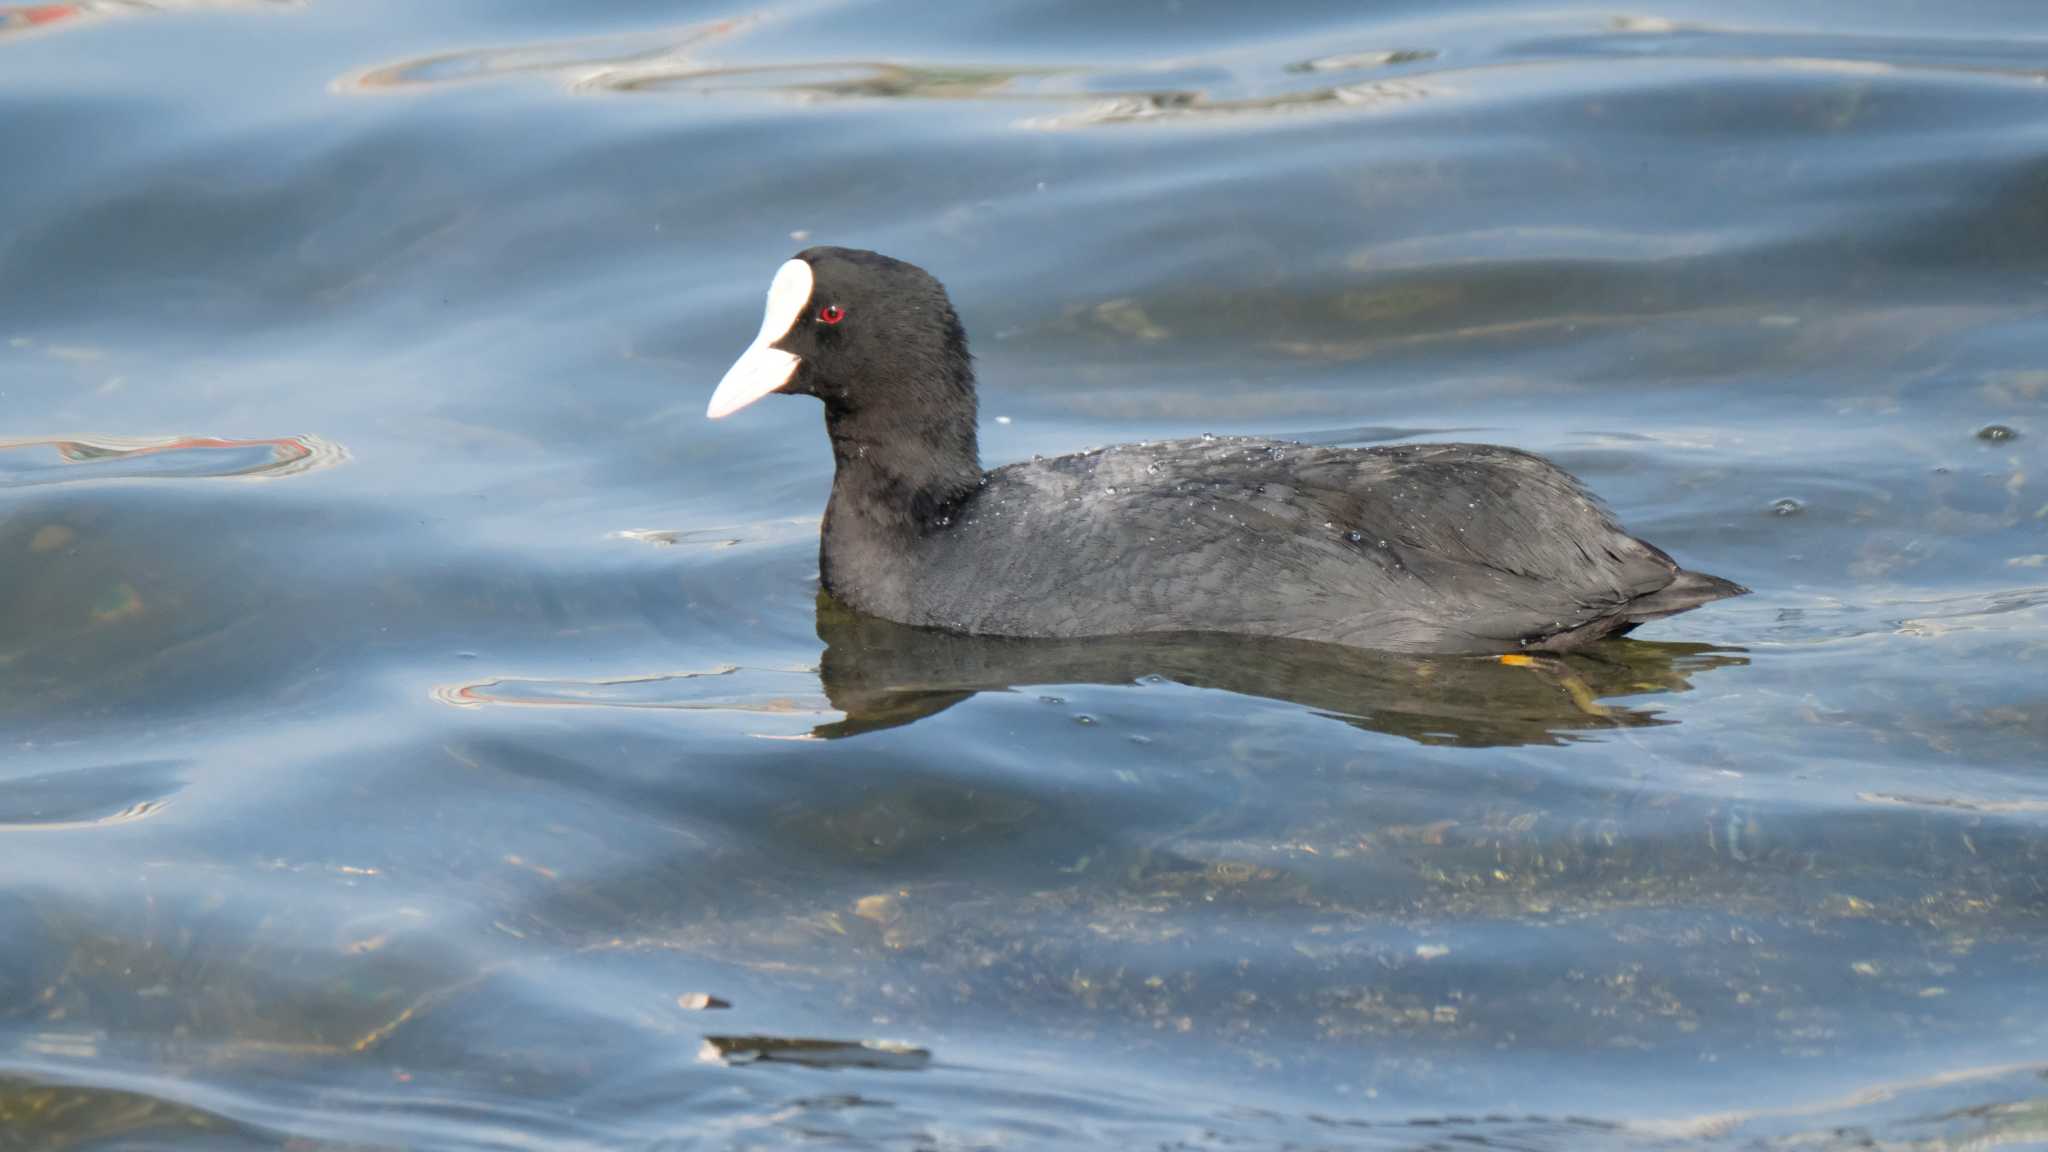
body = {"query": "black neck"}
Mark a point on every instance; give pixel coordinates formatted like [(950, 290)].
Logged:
[(902, 423), (900, 471)]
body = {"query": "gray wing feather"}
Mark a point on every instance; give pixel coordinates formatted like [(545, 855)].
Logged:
[(1435, 546)]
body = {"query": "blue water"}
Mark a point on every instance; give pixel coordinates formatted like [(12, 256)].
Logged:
[(422, 730)]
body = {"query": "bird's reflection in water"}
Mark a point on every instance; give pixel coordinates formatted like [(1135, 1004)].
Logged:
[(882, 674), (876, 674)]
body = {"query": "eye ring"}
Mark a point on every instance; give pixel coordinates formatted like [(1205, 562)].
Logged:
[(831, 314)]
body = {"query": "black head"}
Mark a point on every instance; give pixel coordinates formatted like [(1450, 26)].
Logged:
[(870, 336)]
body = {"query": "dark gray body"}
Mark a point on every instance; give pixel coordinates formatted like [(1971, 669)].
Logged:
[(1433, 547)]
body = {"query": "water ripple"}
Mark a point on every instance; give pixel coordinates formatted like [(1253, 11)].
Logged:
[(566, 59), (663, 63), (86, 798), (28, 463), (24, 18), (726, 688), (1271, 81), (721, 538), (885, 1055), (1650, 38)]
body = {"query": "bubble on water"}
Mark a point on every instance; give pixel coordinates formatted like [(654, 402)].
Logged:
[(1994, 433), (1786, 506), (1354, 537), (1112, 491), (1152, 469), (945, 521)]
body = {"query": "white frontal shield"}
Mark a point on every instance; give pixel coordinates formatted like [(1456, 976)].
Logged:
[(763, 368)]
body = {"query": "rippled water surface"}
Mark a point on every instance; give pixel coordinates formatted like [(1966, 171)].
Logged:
[(423, 731)]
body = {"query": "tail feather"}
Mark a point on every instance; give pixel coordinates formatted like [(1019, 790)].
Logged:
[(1688, 591)]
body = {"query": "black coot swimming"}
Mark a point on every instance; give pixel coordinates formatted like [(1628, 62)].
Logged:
[(1424, 547)]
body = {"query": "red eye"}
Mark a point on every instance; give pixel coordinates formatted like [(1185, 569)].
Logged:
[(831, 314)]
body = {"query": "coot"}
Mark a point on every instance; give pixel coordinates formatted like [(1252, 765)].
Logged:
[(1419, 547)]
